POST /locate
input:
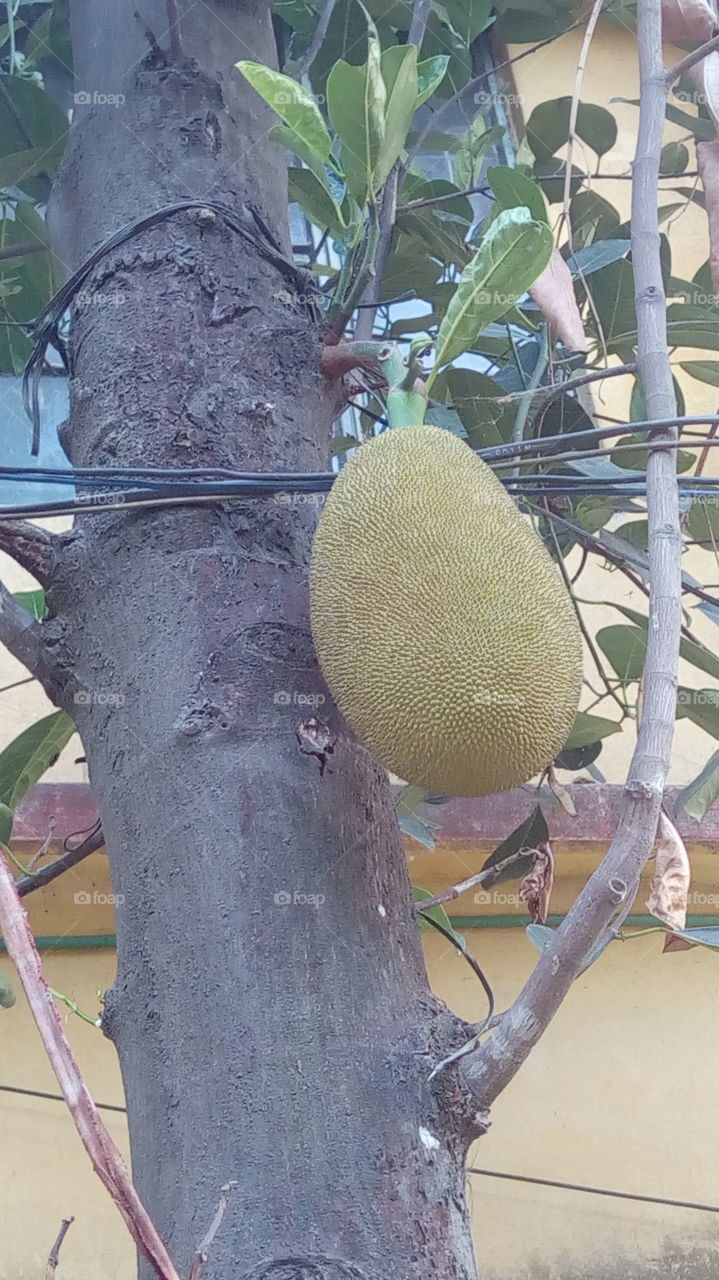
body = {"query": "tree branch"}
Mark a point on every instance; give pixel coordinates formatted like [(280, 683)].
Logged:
[(29, 546), (22, 635), (105, 1157), (317, 39), (691, 60), (489, 1068)]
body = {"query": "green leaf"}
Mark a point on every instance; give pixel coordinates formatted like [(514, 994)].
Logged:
[(430, 74), (703, 370), (437, 913), (292, 103), (6, 821), (708, 937), (689, 650), (703, 522), (700, 794), (626, 650), (34, 602), (636, 459), (357, 102), (306, 190), (513, 189), (548, 127), (702, 129), (530, 833), (588, 729), (595, 256), (674, 159), (291, 141), (399, 70), (514, 252), (28, 757), (37, 276)]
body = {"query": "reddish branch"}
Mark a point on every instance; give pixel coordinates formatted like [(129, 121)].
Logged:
[(105, 1157)]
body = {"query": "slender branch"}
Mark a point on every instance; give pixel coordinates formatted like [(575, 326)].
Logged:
[(70, 858), (490, 874), (490, 1068), (317, 39), (22, 248), (691, 60), (54, 1258), (421, 10), (31, 547), (105, 1157)]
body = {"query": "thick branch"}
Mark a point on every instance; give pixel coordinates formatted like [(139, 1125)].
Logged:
[(490, 1068), (29, 546), (21, 634)]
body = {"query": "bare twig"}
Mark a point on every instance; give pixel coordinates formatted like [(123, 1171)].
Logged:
[(421, 9), (70, 858), (54, 1258), (105, 1157), (317, 39), (200, 1257), (490, 1068), (490, 874), (29, 546)]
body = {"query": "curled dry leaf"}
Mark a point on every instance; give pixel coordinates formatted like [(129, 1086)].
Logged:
[(688, 21), (708, 164), (553, 293), (536, 887), (706, 77), (672, 875)]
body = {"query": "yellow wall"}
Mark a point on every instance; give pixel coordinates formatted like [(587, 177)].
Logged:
[(621, 1094)]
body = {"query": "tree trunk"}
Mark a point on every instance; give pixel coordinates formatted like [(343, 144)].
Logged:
[(271, 1010)]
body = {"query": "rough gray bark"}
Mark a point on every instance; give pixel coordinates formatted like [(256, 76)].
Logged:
[(285, 1047)]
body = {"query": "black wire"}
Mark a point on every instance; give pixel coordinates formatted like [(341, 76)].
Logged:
[(595, 1191), (474, 966), (482, 1173), (56, 1097), (44, 330)]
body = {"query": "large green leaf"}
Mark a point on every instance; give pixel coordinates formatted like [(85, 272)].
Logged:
[(514, 252), (30, 118), (437, 913), (703, 370), (6, 822), (548, 127), (292, 103), (357, 104), (36, 277), (27, 758), (306, 189), (701, 706), (399, 71)]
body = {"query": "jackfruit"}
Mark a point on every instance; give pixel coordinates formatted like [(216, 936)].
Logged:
[(441, 624)]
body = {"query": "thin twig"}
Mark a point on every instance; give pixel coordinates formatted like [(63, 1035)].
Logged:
[(54, 1258), (317, 39), (490, 874), (200, 1257), (103, 1153), (70, 858), (421, 10)]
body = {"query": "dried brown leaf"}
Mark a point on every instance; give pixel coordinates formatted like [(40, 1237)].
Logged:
[(553, 293), (672, 875), (536, 887), (706, 77), (688, 21), (708, 165)]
